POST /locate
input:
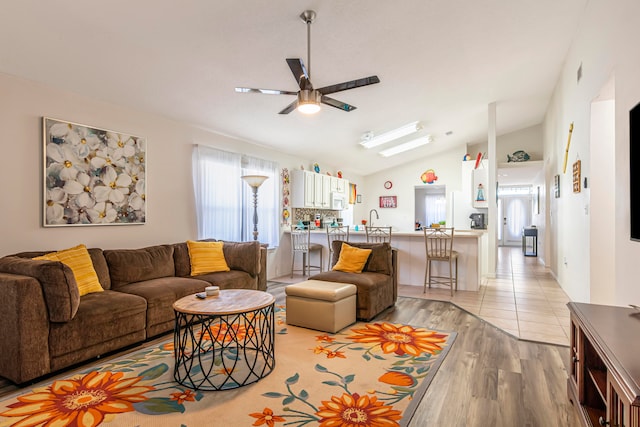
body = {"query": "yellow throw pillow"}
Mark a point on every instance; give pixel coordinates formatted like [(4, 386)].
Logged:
[(79, 261), (352, 259), (206, 257)]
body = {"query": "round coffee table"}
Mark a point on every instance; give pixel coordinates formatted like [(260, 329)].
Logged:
[(225, 341)]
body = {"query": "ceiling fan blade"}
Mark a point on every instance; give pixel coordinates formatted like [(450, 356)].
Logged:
[(289, 108), (338, 104), (265, 91), (299, 73), (349, 85)]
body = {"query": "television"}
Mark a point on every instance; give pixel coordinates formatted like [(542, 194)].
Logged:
[(634, 171)]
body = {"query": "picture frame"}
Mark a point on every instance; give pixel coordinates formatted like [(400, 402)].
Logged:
[(352, 193), (388, 201), (556, 186), (577, 168), (92, 176)]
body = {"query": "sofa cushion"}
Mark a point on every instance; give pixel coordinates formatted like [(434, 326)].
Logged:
[(136, 265), (380, 260), (58, 284), (233, 279), (351, 259), (101, 317), (375, 290), (206, 257), (79, 261), (160, 294), (241, 256)]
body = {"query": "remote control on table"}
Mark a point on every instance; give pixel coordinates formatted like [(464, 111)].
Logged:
[(201, 295)]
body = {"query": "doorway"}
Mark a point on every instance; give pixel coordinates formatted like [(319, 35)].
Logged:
[(430, 204), (514, 213)]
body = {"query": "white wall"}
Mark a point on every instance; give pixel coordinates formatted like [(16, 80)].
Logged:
[(602, 244), (170, 203), (405, 178), (605, 46), (527, 139)]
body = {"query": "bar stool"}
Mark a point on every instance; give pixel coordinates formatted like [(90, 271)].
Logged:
[(378, 234), (340, 232), (439, 247), (301, 243)]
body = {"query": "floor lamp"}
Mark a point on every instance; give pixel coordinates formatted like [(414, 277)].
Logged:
[(254, 182)]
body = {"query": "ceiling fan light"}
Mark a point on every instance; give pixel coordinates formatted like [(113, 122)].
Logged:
[(308, 101), (308, 108), (383, 138), (419, 142)]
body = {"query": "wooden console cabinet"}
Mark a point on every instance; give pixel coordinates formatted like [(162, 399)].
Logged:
[(604, 374)]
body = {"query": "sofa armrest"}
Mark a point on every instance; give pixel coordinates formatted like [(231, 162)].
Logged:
[(24, 329), (59, 287)]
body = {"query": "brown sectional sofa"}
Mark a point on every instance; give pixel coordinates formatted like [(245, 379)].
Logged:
[(46, 326), (377, 284)]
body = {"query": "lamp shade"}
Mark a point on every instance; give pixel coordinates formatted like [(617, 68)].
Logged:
[(254, 180)]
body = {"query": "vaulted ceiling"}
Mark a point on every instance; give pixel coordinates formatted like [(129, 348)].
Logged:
[(439, 62)]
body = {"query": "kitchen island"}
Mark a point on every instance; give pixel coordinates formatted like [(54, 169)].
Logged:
[(471, 246)]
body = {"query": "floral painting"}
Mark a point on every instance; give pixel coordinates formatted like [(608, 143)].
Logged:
[(92, 176)]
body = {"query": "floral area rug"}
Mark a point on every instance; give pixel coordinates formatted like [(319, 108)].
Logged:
[(369, 374)]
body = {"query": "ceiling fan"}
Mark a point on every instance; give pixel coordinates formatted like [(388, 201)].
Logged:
[(308, 99)]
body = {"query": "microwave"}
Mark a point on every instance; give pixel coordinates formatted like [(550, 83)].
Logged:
[(338, 201)]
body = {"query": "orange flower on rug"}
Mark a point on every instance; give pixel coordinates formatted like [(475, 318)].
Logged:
[(84, 401), (368, 375), (405, 357)]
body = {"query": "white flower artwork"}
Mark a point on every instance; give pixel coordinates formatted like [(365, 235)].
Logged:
[(92, 176)]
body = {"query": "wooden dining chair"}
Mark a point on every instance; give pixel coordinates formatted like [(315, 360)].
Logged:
[(439, 247)]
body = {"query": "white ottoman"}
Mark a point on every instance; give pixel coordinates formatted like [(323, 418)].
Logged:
[(325, 306)]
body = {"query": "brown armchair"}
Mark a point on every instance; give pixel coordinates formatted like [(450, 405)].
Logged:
[(377, 284)]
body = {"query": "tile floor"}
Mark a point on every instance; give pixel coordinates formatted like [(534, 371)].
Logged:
[(524, 299)]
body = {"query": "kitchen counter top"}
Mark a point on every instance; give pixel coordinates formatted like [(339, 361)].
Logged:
[(471, 246), (408, 233)]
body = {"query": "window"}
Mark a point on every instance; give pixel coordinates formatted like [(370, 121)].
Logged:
[(224, 202)]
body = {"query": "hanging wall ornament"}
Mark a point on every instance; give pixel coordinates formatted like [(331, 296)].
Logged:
[(285, 196), (429, 176)]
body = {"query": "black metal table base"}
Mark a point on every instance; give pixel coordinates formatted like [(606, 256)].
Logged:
[(221, 352)]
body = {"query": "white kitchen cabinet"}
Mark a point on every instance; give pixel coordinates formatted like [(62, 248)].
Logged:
[(338, 185), (313, 190), (325, 202), (302, 189)]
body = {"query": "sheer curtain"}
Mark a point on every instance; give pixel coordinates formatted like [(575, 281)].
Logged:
[(218, 193), (436, 208), (268, 201), (224, 202)]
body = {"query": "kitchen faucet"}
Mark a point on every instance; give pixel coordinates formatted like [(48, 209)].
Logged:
[(377, 217)]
